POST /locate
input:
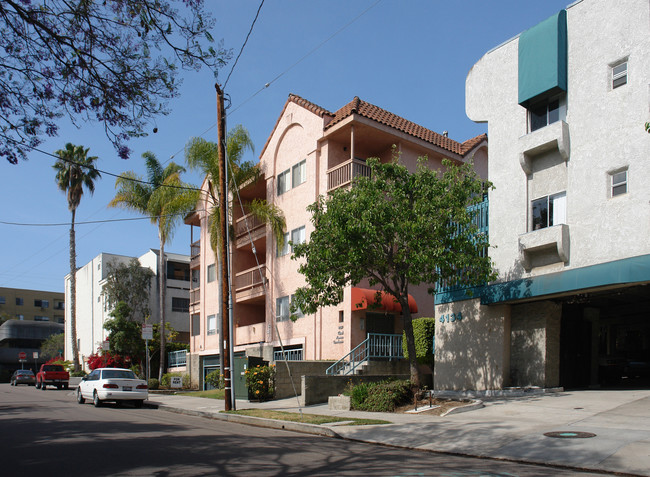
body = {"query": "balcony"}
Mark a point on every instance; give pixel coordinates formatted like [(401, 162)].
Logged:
[(195, 255), (346, 172), (249, 224), (550, 245), (195, 296), (555, 136), (250, 285), (249, 334)]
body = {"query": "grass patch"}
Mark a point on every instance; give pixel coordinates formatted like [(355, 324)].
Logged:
[(212, 394), (306, 418)]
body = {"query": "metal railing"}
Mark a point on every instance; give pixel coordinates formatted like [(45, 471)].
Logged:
[(376, 345), (250, 278), (248, 222), (177, 359), (346, 172), (288, 355)]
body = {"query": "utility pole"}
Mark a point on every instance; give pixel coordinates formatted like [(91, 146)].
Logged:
[(223, 250)]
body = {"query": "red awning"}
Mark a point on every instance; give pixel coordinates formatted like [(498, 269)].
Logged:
[(363, 297)]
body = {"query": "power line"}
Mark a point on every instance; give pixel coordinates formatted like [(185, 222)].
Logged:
[(87, 222), (242, 47)]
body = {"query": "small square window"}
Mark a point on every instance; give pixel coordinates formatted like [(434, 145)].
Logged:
[(619, 75), (211, 273), (212, 325), (20, 302), (619, 183), (2, 300), (549, 211)]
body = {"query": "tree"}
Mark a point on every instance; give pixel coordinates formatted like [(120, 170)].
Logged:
[(75, 170), (130, 284), (395, 229), (166, 199), (125, 335), (114, 62), (53, 346), (203, 156)]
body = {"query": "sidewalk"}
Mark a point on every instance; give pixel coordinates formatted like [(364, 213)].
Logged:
[(506, 428)]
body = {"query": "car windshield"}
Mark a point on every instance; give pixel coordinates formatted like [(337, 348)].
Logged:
[(52, 367), (118, 373), (26, 372)]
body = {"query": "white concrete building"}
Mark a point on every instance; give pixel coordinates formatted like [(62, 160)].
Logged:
[(92, 311), (565, 103)]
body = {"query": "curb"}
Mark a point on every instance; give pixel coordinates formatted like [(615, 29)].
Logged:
[(476, 404), (251, 421)]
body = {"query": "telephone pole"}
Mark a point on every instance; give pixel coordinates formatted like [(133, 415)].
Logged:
[(223, 249)]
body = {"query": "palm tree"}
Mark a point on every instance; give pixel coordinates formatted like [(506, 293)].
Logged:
[(166, 199), (75, 171), (203, 155)]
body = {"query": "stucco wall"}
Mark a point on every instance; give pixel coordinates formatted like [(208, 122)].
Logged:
[(283, 386)]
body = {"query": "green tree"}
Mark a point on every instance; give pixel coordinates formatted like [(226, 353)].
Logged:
[(116, 63), (75, 171), (166, 199), (396, 229), (53, 346), (125, 335), (203, 156), (129, 283)]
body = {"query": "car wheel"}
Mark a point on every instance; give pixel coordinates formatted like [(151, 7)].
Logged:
[(96, 401), (12, 383), (138, 403), (43, 385), (65, 386), (80, 398), (38, 385)]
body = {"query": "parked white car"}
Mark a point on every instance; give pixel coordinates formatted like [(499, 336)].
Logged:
[(112, 384)]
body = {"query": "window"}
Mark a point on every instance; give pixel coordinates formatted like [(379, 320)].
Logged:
[(211, 273), (283, 182), (299, 173), (212, 325), (618, 182), (282, 308), (41, 318), (196, 325), (297, 236), (619, 75), (178, 271), (282, 251), (59, 319), (180, 304), (20, 302), (2, 300), (544, 113), (549, 211), (20, 317), (342, 316), (41, 303), (298, 313), (59, 305)]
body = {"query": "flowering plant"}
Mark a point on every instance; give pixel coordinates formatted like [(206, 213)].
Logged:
[(261, 382)]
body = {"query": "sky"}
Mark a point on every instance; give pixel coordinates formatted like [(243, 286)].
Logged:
[(410, 57)]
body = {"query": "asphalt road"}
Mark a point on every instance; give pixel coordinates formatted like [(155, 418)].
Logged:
[(48, 433)]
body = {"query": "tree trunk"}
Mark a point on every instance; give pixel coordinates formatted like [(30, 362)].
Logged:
[(162, 284), (73, 295), (410, 343)]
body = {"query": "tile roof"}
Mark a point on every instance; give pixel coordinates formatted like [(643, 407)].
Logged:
[(375, 113)]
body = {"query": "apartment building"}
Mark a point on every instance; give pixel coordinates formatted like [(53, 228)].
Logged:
[(309, 152), (32, 305), (93, 311), (565, 103)]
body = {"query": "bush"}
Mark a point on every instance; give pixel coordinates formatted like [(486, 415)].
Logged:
[(153, 383), (261, 382), (187, 381), (215, 379), (166, 380), (78, 374), (380, 397), (423, 332)]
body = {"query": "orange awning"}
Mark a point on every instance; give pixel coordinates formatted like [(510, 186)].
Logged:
[(362, 298)]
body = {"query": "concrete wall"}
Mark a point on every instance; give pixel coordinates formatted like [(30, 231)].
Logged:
[(316, 389), (473, 353), (283, 387)]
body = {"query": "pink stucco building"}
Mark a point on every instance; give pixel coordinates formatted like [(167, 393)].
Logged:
[(309, 152)]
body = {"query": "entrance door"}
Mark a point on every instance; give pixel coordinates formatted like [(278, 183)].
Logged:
[(383, 323)]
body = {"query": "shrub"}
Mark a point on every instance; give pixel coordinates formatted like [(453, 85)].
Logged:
[(261, 382), (380, 397), (187, 381), (153, 383), (423, 332), (215, 379), (166, 380)]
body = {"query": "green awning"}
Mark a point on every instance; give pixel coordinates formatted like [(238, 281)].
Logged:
[(543, 59)]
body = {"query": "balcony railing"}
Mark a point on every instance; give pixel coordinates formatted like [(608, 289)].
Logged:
[(288, 355), (250, 284), (345, 173), (177, 359), (195, 296), (195, 254)]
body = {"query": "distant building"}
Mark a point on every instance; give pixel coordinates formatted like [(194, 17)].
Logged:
[(32, 305), (92, 310), (565, 104), (26, 337)]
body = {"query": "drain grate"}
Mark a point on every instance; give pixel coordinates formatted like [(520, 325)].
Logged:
[(570, 434)]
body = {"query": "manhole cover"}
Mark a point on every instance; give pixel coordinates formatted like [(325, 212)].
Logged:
[(570, 435)]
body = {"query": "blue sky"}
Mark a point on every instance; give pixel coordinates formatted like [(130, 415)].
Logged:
[(410, 57)]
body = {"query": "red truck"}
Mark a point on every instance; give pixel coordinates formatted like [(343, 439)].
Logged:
[(52, 375)]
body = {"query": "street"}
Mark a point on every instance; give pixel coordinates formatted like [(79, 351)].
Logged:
[(47, 432)]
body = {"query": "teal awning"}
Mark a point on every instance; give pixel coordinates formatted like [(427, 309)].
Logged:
[(628, 271), (543, 59)]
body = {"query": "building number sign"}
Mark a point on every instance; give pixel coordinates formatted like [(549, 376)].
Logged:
[(451, 317)]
